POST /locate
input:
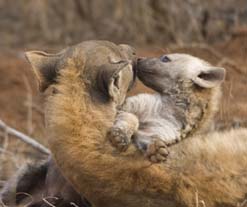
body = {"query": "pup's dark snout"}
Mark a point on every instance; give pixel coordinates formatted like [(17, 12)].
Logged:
[(134, 68), (139, 59), (137, 63)]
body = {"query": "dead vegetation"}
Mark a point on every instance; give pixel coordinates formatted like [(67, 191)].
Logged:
[(142, 22)]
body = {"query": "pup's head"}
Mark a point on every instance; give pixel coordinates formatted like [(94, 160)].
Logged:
[(166, 71), (105, 68), (192, 82)]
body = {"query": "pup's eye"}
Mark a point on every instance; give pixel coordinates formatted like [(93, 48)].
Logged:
[(165, 59)]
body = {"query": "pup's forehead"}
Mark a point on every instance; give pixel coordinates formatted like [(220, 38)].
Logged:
[(186, 58), (187, 62)]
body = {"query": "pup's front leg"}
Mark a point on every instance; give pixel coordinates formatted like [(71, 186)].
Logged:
[(157, 151), (126, 124), (153, 147)]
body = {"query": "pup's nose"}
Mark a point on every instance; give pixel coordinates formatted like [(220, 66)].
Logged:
[(137, 64), (139, 59)]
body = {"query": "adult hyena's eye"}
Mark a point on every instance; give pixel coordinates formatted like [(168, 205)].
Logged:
[(165, 59)]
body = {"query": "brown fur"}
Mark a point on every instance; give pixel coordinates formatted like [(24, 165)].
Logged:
[(212, 167), (110, 179), (106, 73), (78, 127)]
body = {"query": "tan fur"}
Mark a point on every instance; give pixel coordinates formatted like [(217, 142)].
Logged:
[(106, 178), (77, 126), (214, 168)]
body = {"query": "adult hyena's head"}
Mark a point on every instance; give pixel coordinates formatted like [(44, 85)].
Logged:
[(167, 71), (105, 69)]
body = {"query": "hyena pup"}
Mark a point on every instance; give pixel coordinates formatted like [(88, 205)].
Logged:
[(187, 93)]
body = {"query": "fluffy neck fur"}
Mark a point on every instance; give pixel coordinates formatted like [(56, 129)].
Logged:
[(77, 128), (192, 107)]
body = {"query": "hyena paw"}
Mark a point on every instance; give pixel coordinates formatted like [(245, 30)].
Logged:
[(119, 138), (157, 151)]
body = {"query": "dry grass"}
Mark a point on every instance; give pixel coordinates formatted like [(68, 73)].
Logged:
[(139, 22)]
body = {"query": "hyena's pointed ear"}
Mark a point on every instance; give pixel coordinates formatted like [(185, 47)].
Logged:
[(110, 81), (210, 77), (114, 85), (44, 66)]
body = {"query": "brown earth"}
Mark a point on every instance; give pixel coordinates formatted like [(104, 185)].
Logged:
[(21, 108), (21, 104)]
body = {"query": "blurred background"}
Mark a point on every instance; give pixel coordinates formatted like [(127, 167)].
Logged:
[(63, 22), (215, 30)]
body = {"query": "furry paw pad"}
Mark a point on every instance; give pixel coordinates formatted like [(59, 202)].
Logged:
[(157, 151), (119, 138)]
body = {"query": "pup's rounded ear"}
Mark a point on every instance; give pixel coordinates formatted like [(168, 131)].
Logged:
[(44, 66), (210, 77)]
